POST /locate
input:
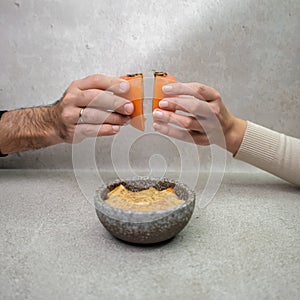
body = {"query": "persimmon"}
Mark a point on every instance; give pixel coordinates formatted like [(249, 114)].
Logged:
[(136, 96), (160, 79)]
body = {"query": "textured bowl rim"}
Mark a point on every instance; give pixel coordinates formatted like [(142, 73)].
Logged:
[(141, 216)]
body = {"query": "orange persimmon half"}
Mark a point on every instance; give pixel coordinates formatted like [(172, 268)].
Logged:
[(136, 96), (160, 79)]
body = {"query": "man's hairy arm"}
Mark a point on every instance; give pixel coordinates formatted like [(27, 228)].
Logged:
[(30, 128), (38, 127)]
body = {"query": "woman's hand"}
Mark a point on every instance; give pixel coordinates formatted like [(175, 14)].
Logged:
[(205, 121)]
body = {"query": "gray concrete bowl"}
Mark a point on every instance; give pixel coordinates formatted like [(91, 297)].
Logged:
[(145, 227)]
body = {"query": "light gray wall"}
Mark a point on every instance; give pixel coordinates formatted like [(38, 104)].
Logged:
[(248, 50)]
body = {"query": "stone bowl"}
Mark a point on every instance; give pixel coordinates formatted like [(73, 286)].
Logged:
[(145, 227)]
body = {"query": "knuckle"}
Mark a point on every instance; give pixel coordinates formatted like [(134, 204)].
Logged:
[(96, 78), (73, 84), (173, 103), (80, 95), (218, 95), (187, 122), (68, 99), (116, 103), (169, 117), (200, 88), (165, 129), (67, 116), (90, 132)]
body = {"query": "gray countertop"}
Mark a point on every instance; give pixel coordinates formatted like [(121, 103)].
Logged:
[(244, 245)]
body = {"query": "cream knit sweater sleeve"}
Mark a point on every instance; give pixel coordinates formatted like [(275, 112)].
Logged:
[(271, 151)]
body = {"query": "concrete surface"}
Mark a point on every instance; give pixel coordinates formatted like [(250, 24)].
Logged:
[(244, 245), (248, 50)]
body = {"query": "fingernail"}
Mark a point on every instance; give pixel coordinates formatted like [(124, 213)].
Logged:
[(163, 103), (116, 128), (124, 86), (156, 126), (167, 88), (128, 108), (157, 114)]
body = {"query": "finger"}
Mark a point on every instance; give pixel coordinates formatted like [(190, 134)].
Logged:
[(187, 122), (181, 134), (198, 90), (96, 116), (104, 100), (120, 89), (80, 98), (187, 104), (89, 130), (101, 82)]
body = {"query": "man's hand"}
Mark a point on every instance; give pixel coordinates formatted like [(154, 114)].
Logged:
[(206, 119), (92, 107), (97, 98)]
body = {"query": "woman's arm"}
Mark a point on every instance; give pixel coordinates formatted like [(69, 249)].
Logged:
[(207, 121), (271, 151)]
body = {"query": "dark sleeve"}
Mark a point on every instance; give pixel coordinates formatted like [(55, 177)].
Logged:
[(1, 113)]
